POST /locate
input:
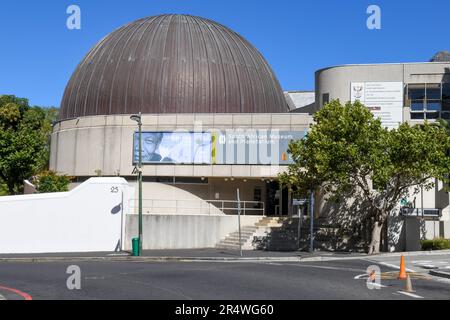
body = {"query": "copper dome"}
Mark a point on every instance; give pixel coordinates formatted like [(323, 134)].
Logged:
[(172, 64)]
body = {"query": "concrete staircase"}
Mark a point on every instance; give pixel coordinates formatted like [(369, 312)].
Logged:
[(249, 235), (281, 234)]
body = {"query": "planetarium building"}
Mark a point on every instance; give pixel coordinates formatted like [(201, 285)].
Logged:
[(214, 118)]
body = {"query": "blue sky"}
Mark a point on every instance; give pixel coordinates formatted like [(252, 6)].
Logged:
[(38, 53)]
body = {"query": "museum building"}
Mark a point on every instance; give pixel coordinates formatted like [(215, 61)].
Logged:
[(214, 118)]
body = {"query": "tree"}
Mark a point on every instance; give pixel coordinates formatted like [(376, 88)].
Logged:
[(50, 181), (348, 152), (24, 141)]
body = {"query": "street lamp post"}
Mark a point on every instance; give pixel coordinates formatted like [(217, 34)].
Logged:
[(138, 119)]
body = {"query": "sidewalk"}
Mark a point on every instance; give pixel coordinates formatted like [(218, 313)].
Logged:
[(182, 255), (205, 255)]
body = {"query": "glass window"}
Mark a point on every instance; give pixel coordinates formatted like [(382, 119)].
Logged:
[(446, 91), (417, 116), (434, 105), (417, 105), (325, 98), (445, 115), (433, 91), (416, 91), (432, 115), (446, 105)]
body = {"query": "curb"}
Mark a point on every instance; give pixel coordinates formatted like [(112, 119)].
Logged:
[(174, 259), (217, 259), (147, 259), (413, 253)]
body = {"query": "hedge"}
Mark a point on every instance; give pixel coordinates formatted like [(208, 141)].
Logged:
[(436, 244)]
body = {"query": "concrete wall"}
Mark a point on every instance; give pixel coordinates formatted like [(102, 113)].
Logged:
[(183, 232), (86, 219), (81, 147), (336, 81)]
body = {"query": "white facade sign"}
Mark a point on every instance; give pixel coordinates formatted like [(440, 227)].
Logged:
[(384, 99)]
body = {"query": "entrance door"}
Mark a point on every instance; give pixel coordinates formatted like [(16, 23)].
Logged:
[(276, 200)]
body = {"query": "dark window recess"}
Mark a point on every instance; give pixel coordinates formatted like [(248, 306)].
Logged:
[(429, 101), (446, 105), (433, 92), (257, 197), (188, 180), (445, 115), (325, 98), (432, 115), (416, 92), (172, 180), (446, 91), (417, 116), (165, 179)]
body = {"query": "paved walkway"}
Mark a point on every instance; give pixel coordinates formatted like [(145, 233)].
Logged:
[(209, 254), (187, 253)]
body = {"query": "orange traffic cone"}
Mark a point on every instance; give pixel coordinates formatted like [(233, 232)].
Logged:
[(402, 275)]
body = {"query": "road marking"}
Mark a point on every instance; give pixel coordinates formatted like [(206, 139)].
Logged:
[(374, 284), (24, 295), (2, 297), (409, 294), (118, 255), (323, 267), (391, 265)]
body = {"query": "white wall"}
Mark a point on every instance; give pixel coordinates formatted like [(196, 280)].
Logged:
[(183, 232), (86, 219)]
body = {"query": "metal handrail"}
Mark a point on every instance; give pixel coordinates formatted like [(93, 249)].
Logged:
[(221, 206)]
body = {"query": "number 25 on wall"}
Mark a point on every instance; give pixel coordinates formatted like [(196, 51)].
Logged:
[(114, 189)]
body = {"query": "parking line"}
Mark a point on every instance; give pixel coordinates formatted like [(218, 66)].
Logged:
[(412, 295), (391, 265)]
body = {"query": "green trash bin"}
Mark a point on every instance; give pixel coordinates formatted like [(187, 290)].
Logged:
[(135, 246)]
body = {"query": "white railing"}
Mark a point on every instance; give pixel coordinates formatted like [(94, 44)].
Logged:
[(196, 207)]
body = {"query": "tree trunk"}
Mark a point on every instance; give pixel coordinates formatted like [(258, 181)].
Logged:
[(10, 188), (374, 246)]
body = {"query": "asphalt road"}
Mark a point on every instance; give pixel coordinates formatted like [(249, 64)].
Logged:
[(344, 279)]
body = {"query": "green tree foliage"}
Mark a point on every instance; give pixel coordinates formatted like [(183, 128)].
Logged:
[(349, 155), (24, 141), (436, 244), (50, 181)]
